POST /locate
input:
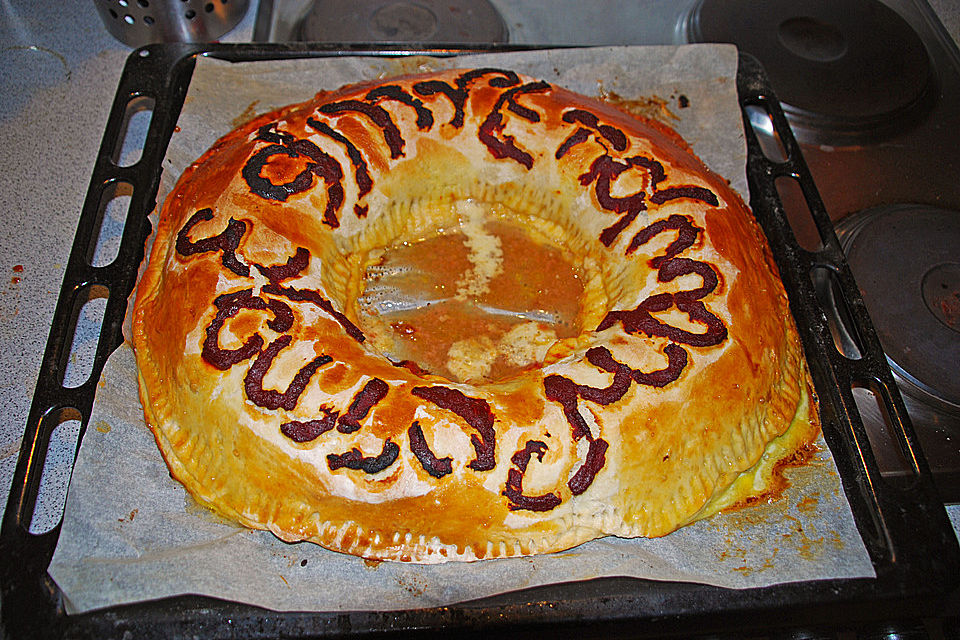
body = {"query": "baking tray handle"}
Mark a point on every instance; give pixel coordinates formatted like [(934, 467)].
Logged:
[(891, 516)]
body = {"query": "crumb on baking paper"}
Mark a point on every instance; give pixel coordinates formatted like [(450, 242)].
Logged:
[(746, 570), (408, 65), (412, 585), (807, 547), (130, 516), (10, 449), (653, 107), (809, 504)]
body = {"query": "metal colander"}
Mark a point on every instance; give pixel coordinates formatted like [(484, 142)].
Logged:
[(139, 22)]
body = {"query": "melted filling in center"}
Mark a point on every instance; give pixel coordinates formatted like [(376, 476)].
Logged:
[(477, 302)]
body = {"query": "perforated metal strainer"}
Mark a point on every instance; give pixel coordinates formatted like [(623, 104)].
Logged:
[(140, 22)]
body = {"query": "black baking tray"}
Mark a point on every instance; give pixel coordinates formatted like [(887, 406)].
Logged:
[(903, 524)]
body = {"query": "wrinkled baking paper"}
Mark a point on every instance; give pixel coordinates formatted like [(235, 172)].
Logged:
[(131, 533)]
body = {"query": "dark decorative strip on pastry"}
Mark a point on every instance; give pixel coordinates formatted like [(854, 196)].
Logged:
[(227, 241), (309, 430), (596, 458), (611, 134), (641, 319), (436, 467), (457, 93), (354, 459), (475, 412), (323, 166), (603, 171), (269, 398), (377, 114), (577, 137), (503, 145), (373, 392), (676, 362), (394, 92), (694, 193), (228, 305), (677, 267), (294, 265), (270, 133), (514, 488), (360, 172), (687, 234), (567, 393), (308, 295), (522, 458), (264, 187)]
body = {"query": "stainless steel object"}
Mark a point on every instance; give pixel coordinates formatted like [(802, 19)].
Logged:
[(419, 21), (139, 22), (906, 260), (846, 73), (873, 96)]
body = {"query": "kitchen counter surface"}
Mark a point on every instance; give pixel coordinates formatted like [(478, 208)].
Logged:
[(59, 69)]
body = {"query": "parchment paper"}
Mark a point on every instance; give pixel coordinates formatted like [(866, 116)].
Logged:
[(131, 533)]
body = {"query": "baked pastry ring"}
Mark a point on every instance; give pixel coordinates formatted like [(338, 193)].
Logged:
[(264, 368)]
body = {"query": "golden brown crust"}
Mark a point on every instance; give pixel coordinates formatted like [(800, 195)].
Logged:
[(633, 429)]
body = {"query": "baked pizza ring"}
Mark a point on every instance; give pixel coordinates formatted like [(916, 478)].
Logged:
[(465, 315)]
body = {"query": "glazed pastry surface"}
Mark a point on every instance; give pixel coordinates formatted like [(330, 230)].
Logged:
[(465, 315)]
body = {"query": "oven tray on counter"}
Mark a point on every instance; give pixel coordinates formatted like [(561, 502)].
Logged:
[(903, 523)]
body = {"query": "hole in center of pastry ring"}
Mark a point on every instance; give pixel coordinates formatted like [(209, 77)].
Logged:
[(479, 297)]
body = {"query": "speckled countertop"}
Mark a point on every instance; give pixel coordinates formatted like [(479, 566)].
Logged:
[(59, 69)]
